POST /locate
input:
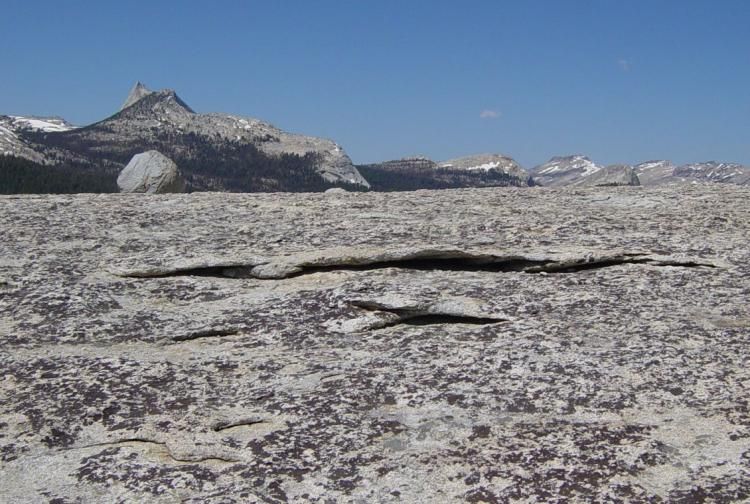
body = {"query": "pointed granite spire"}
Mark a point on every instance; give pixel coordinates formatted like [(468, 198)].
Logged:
[(138, 92)]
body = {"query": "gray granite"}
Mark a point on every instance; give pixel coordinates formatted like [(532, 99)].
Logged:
[(478, 345), (151, 172)]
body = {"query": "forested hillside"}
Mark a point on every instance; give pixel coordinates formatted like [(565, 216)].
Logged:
[(21, 176)]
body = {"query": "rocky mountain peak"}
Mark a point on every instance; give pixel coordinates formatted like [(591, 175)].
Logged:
[(148, 99), (164, 106), (245, 153), (137, 92)]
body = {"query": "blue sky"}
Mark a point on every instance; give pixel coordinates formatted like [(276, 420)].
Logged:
[(621, 81)]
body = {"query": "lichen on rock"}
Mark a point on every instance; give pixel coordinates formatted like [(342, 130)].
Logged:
[(480, 345)]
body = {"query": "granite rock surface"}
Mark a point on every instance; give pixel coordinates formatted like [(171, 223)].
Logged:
[(474, 345)]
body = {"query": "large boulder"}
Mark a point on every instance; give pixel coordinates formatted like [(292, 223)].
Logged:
[(151, 172)]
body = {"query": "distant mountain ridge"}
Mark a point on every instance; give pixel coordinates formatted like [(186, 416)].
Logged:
[(224, 152), (412, 173), (578, 170), (218, 152), (661, 172)]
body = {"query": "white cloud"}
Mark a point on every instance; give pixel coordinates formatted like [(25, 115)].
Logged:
[(625, 64), (489, 114)]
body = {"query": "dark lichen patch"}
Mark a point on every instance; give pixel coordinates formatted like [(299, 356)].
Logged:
[(140, 475), (723, 489), (12, 451), (59, 438), (541, 466), (483, 495), (117, 393), (480, 432)]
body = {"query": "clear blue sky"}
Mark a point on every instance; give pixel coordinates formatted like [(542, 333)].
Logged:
[(621, 81)]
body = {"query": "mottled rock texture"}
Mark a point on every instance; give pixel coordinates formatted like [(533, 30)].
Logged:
[(478, 345), (151, 172)]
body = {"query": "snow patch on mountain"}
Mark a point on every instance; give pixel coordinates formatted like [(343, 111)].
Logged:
[(564, 170), (11, 144), (581, 163), (487, 162), (47, 124)]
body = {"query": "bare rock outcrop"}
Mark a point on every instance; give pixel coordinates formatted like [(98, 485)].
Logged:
[(581, 344), (612, 175)]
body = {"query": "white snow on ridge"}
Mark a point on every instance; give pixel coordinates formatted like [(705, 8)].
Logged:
[(482, 167), (485, 166), (577, 163), (649, 165), (551, 169), (41, 124), (589, 167), (6, 132)]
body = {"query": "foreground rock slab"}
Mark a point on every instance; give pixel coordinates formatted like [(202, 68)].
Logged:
[(489, 345)]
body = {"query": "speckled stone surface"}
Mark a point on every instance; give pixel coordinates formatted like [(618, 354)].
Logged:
[(493, 345)]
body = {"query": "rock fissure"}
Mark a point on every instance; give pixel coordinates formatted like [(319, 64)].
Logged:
[(606, 262), (421, 317), (468, 263), (207, 333), (150, 443), (231, 424), (427, 260)]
